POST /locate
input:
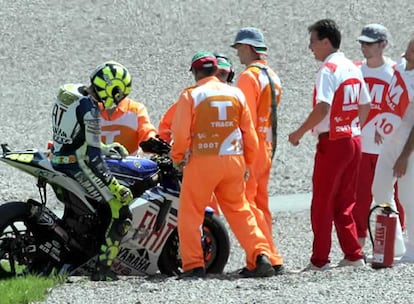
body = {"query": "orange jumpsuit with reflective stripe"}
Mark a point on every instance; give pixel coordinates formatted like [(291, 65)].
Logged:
[(129, 125), (256, 87), (212, 127), (164, 132), (164, 127)]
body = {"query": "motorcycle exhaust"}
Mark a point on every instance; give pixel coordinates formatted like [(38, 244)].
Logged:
[(44, 217)]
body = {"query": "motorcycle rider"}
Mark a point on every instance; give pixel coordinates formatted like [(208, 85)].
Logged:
[(77, 152), (124, 124)]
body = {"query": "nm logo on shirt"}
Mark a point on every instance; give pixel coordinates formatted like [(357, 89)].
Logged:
[(395, 92), (351, 96)]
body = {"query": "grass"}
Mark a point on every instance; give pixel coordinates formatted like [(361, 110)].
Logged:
[(26, 289)]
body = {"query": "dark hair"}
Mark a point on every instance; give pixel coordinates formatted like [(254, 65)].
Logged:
[(210, 71), (327, 28)]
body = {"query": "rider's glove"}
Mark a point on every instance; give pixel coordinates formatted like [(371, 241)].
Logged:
[(114, 149), (121, 193)]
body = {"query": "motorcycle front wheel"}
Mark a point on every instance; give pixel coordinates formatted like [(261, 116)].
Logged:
[(216, 247)]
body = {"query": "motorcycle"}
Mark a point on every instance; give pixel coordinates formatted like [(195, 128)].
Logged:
[(33, 239)]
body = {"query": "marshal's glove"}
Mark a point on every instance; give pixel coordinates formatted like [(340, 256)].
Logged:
[(179, 166), (246, 174), (121, 193), (114, 149)]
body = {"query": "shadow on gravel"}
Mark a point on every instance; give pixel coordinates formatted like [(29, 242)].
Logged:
[(158, 278), (228, 276), (234, 275)]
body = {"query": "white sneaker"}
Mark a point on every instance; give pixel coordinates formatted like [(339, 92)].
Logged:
[(311, 267), (369, 259), (357, 263)]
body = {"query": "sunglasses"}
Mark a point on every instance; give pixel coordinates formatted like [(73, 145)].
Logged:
[(369, 43)]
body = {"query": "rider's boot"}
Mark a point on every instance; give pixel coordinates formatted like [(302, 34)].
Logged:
[(117, 229)]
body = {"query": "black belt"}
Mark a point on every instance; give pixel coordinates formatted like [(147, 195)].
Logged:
[(323, 134)]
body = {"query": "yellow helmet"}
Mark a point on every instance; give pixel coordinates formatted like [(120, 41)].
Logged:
[(111, 82)]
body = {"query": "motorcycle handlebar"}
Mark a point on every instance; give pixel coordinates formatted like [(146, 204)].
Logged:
[(156, 145)]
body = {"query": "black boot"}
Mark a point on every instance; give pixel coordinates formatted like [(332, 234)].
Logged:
[(103, 273), (195, 273), (279, 269), (117, 229), (108, 252), (263, 268)]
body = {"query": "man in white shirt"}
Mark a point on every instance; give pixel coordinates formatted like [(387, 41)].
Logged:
[(396, 161), (340, 101), (381, 122)]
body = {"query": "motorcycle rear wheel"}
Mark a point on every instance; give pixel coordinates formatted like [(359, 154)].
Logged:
[(15, 239), (215, 243)]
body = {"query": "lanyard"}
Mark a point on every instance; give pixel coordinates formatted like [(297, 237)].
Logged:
[(273, 105)]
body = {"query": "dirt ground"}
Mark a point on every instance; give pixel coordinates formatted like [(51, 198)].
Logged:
[(47, 43)]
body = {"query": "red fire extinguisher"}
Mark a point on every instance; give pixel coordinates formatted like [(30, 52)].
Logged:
[(383, 243)]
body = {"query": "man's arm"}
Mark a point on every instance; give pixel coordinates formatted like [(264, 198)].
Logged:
[(164, 126), (181, 127), (146, 129), (250, 88), (401, 164), (318, 113), (363, 110), (250, 140)]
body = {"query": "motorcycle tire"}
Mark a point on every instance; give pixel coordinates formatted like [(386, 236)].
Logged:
[(215, 243), (14, 239)]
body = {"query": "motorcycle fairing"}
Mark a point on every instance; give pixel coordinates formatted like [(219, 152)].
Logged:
[(133, 167)]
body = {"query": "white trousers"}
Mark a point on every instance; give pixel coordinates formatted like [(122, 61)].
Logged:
[(383, 188)]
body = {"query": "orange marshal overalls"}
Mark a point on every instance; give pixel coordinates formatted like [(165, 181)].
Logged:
[(164, 127), (129, 125), (256, 87), (213, 128), (164, 132)]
